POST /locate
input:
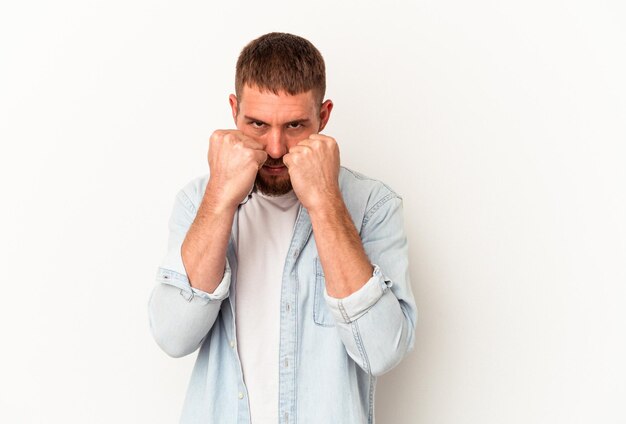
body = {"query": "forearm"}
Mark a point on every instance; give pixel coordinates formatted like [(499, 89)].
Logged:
[(345, 263), (376, 323), (204, 249)]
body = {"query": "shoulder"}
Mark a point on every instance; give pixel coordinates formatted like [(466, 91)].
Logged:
[(364, 195), (192, 192), (355, 185)]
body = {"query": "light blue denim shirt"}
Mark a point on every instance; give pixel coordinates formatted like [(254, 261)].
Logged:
[(331, 350)]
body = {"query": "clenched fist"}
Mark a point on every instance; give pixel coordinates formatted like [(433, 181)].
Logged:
[(234, 160), (314, 170)]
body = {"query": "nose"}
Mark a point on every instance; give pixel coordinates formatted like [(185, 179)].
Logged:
[(275, 143)]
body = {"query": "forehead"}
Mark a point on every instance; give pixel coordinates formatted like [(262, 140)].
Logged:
[(270, 107)]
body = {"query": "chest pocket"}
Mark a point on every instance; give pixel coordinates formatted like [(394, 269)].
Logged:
[(321, 314)]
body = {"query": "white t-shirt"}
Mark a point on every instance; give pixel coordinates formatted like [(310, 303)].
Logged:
[(265, 227)]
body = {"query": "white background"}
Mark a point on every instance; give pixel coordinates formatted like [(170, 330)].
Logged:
[(501, 123)]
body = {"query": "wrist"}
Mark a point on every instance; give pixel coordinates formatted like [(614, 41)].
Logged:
[(329, 203), (218, 199)]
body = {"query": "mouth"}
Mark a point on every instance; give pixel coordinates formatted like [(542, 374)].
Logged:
[(274, 169)]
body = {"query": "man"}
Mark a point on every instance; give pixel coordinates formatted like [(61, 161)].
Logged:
[(289, 272)]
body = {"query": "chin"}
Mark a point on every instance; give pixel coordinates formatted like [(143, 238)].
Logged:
[(272, 186)]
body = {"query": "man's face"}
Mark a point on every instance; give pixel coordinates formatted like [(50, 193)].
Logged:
[(279, 122)]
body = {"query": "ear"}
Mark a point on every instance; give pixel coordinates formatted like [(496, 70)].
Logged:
[(234, 106), (325, 110)]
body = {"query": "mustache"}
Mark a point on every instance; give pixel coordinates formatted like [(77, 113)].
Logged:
[(273, 162)]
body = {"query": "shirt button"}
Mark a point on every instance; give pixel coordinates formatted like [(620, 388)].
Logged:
[(288, 307), (232, 343), (296, 253), (240, 395)]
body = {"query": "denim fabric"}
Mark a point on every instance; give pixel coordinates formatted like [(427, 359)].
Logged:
[(331, 350)]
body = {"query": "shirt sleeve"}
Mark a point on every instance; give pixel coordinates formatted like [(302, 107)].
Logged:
[(352, 307), (377, 322), (181, 316)]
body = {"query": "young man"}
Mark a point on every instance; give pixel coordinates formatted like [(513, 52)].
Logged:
[(289, 272)]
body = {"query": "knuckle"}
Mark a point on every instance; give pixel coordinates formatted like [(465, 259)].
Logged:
[(232, 140), (216, 135)]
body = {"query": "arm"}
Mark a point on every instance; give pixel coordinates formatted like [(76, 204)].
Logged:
[(195, 275), (345, 263), (377, 322), (367, 280), (234, 160), (314, 170), (181, 315), (204, 248)]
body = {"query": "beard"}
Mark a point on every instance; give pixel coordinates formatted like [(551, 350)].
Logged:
[(273, 185)]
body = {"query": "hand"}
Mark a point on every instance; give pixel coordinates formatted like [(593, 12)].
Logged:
[(234, 160), (314, 171)]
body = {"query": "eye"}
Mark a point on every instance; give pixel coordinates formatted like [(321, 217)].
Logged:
[(294, 125), (257, 124)]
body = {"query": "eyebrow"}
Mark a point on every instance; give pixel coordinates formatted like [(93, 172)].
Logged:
[(294, 121)]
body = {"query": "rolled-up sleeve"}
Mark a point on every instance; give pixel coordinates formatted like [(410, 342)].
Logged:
[(353, 307), (180, 316), (377, 322)]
